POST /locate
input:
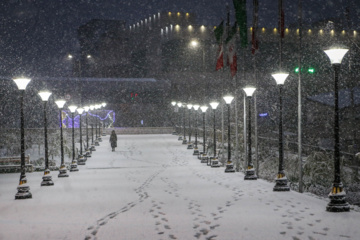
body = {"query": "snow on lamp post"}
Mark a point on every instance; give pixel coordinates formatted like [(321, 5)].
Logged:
[(179, 104), (190, 145), (214, 105), (173, 103), (73, 166), (23, 190), (62, 171), (92, 107), (250, 171), (87, 149), (81, 157), (204, 156), (229, 165), (196, 149), (281, 179), (337, 195), (47, 179)]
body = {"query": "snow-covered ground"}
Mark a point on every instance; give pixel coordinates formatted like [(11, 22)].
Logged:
[(152, 187)]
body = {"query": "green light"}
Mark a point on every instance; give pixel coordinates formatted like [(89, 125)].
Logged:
[(311, 70), (297, 70)]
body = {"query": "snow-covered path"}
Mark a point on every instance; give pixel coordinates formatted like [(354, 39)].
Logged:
[(153, 188)]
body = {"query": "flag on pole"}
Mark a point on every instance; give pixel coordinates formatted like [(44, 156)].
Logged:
[(231, 49), (240, 13), (254, 40), (219, 32)]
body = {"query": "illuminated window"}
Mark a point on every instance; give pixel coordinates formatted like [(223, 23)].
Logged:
[(169, 13)]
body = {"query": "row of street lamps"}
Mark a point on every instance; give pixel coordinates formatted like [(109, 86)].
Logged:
[(337, 195), (23, 189)]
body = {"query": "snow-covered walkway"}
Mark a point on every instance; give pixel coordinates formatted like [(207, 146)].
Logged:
[(152, 187)]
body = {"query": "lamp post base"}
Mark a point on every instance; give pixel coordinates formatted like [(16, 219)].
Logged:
[(204, 158), (63, 172), (99, 139), (180, 138), (81, 160), (73, 166), (97, 143), (196, 151), (250, 174), (190, 146), (337, 199), (214, 162), (92, 149), (87, 153), (184, 141), (47, 179), (23, 192), (229, 168), (281, 183), (174, 133)]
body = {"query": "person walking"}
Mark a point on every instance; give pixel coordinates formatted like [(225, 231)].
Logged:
[(113, 140)]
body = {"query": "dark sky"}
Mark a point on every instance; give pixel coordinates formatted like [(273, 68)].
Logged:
[(36, 35)]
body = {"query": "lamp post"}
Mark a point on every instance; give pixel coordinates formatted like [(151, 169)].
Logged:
[(99, 125), (62, 171), (173, 103), (92, 107), (337, 195), (184, 142), (214, 106), (23, 190), (179, 104), (190, 145), (47, 179), (73, 166), (204, 157), (196, 149), (281, 179), (103, 124), (250, 171), (96, 107), (87, 150), (81, 157), (229, 165)]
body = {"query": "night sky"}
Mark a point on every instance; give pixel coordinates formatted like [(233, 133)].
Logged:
[(36, 35)]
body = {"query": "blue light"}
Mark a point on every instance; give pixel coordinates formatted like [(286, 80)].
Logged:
[(263, 114)]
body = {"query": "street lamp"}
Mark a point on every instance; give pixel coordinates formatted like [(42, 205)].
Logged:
[(103, 127), (204, 157), (337, 195), (73, 166), (87, 150), (214, 106), (190, 146), (92, 107), (173, 103), (81, 157), (96, 106), (47, 179), (281, 179), (229, 165), (250, 171), (184, 137), (179, 104), (99, 118), (23, 190), (196, 149), (62, 171)]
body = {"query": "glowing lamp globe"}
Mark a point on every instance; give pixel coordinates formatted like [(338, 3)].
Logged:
[(196, 107), (173, 103), (72, 108), (280, 78), (80, 110), (21, 83), (189, 106), (179, 104), (249, 91), (60, 103), (336, 54), (204, 108), (228, 99), (86, 108), (214, 105), (44, 95)]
